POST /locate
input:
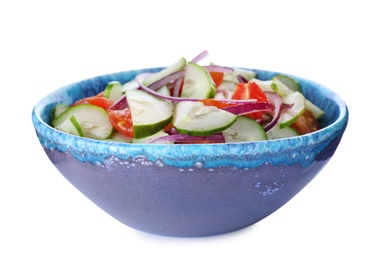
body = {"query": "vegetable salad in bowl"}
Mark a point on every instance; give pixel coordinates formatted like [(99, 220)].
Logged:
[(192, 103)]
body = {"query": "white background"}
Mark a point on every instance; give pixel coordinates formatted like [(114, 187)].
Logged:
[(45, 45)]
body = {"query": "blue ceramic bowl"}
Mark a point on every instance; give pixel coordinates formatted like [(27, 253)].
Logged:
[(189, 190)]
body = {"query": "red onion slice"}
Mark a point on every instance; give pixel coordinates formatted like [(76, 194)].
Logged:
[(275, 100), (216, 68), (200, 56), (249, 107), (241, 79), (182, 138), (167, 79), (177, 88), (121, 103)]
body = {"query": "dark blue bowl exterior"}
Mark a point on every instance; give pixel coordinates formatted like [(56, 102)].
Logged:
[(189, 190)]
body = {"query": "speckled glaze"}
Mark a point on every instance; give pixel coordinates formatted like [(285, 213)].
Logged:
[(195, 189)]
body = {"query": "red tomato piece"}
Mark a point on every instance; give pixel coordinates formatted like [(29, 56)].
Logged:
[(250, 90), (95, 100), (240, 92), (122, 121), (217, 77), (255, 92)]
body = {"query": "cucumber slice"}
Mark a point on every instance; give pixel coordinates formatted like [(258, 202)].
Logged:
[(113, 90), (71, 126), (164, 91), (245, 129), (247, 74), (225, 90), (149, 114), (266, 85), (227, 85), (58, 109), (315, 110), (93, 121), (132, 84), (149, 139), (290, 115), (198, 82), (290, 82), (195, 118), (281, 89), (177, 66), (120, 138), (277, 133)]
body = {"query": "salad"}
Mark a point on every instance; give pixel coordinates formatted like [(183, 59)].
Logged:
[(192, 103)]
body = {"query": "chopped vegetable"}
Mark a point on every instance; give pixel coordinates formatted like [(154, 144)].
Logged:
[(189, 103)]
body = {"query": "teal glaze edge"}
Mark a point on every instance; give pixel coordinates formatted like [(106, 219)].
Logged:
[(234, 155)]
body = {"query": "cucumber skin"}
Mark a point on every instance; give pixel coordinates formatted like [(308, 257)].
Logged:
[(141, 131), (149, 107), (245, 129), (203, 133), (181, 121), (75, 110), (195, 89)]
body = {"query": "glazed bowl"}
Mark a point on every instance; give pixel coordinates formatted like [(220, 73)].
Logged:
[(189, 190)]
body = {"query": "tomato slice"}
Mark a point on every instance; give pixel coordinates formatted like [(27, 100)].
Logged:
[(240, 92), (217, 77), (122, 121), (250, 90), (306, 123), (255, 92), (95, 100)]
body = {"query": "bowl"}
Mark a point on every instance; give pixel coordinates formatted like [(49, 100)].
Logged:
[(189, 190)]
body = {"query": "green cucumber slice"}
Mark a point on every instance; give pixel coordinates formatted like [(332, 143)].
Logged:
[(113, 90), (165, 91), (288, 81), (120, 138), (71, 126), (315, 110), (245, 129), (277, 133), (227, 85), (281, 89), (290, 115), (58, 109), (149, 139), (93, 121), (132, 84), (177, 66), (266, 85), (247, 74), (149, 114), (195, 118), (198, 82)]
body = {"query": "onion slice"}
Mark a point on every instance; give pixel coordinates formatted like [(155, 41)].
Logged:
[(275, 100), (183, 138), (249, 107), (167, 79), (121, 103), (217, 68), (200, 56), (241, 79)]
